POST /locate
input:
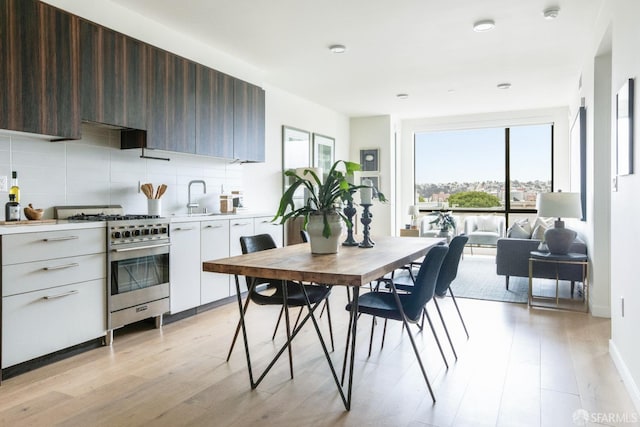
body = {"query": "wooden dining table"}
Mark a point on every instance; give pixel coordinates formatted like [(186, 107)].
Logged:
[(352, 266)]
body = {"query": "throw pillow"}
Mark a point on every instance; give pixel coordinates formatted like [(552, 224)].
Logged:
[(486, 223), (524, 223), (516, 231), (544, 222), (538, 232)]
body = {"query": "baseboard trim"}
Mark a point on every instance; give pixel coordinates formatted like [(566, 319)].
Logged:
[(629, 383), (601, 311)]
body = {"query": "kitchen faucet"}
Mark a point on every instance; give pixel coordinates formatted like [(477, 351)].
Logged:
[(190, 204)]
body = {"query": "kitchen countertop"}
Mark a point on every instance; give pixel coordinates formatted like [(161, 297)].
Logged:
[(74, 225), (60, 224)]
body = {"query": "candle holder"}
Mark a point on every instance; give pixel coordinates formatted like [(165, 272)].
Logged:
[(365, 219), (349, 212)]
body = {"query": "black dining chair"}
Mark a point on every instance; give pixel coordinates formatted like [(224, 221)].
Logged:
[(406, 307), (273, 292), (447, 274)]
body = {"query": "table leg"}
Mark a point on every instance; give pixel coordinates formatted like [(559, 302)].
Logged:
[(530, 296)]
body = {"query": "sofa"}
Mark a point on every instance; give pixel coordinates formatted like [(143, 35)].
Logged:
[(483, 230), (512, 258)]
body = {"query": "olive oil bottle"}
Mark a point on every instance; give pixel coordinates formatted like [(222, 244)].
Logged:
[(15, 189), (12, 209)]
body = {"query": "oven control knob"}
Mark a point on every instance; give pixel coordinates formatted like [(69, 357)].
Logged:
[(116, 235), (146, 232), (155, 231), (163, 230), (127, 233), (136, 232)]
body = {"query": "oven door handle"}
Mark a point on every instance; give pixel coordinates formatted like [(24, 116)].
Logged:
[(137, 248)]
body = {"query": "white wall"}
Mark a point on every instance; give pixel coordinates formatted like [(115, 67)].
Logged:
[(377, 132), (625, 346)]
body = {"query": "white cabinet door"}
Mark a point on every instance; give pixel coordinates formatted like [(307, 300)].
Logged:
[(214, 244), (237, 229), (41, 322), (184, 266), (263, 225)]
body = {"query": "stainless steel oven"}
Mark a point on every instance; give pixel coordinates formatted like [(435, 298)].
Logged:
[(138, 258), (137, 263)]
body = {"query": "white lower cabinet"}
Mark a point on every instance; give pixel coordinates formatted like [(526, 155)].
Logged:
[(184, 266), (53, 291), (239, 228), (42, 322), (193, 242), (214, 244), (264, 225)]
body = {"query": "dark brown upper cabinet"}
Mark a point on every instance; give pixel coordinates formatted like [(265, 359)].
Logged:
[(248, 122), (214, 113), (39, 69), (112, 77), (171, 103)]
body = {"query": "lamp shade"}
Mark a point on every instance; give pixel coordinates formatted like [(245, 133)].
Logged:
[(413, 210), (559, 205)]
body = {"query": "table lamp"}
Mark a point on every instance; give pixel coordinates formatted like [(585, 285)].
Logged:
[(559, 205)]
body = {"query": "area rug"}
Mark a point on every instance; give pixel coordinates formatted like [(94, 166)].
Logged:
[(477, 279)]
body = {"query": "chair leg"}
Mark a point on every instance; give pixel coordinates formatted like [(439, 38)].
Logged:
[(384, 333), (405, 324), (295, 325), (459, 314), (435, 335), (506, 283), (373, 325), (446, 331)]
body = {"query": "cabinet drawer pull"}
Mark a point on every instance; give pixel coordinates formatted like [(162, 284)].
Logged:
[(62, 295), (60, 267), (60, 239), (213, 226), (240, 224), (183, 229)]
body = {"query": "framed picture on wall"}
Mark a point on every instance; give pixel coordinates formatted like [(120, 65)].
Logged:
[(323, 149), (369, 161), (624, 129)]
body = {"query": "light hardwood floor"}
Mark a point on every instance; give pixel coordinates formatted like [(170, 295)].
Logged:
[(520, 367)]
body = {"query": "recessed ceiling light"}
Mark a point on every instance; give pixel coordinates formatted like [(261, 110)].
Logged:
[(451, 91), (551, 12), (504, 85), (484, 25), (402, 95), (337, 48)]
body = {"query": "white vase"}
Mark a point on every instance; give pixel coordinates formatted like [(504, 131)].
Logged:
[(320, 244)]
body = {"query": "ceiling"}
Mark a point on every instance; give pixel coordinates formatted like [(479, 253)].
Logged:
[(424, 48)]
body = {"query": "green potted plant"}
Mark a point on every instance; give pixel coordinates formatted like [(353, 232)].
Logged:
[(444, 221), (323, 201)]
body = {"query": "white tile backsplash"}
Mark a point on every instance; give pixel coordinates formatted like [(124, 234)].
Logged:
[(94, 170)]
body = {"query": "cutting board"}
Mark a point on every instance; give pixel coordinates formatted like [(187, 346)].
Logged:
[(29, 222)]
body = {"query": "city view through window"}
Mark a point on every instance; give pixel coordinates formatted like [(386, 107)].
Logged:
[(467, 169)]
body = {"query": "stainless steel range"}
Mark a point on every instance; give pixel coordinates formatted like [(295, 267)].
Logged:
[(137, 263)]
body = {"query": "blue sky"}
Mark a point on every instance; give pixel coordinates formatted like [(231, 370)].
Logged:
[(478, 154)]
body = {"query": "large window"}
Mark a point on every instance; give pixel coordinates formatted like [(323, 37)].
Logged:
[(492, 169)]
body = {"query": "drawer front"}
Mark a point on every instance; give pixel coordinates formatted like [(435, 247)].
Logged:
[(39, 275), (27, 247), (39, 323)]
